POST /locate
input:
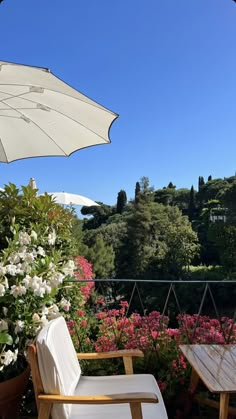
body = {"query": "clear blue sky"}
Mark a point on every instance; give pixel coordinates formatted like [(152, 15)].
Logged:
[(167, 67)]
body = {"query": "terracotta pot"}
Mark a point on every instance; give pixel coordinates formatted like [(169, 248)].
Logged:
[(11, 392)]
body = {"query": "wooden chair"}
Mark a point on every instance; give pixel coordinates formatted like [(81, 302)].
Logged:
[(62, 392)]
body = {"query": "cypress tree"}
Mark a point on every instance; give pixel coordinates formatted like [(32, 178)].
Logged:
[(171, 186), (121, 201), (137, 191), (201, 182), (192, 205)]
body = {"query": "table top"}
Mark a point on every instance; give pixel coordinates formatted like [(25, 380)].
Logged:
[(214, 364)]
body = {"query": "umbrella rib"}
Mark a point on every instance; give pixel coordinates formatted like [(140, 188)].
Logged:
[(10, 96), (55, 110), (3, 150), (8, 116), (22, 114), (94, 104)]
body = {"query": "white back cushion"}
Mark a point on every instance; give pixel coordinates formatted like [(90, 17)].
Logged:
[(58, 364)]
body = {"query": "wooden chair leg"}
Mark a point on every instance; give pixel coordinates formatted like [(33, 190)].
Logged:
[(128, 364), (224, 405), (136, 410), (44, 410), (194, 380)]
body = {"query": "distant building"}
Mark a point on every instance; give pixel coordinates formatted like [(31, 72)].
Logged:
[(218, 214)]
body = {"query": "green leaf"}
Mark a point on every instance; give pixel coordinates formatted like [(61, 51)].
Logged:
[(5, 338)]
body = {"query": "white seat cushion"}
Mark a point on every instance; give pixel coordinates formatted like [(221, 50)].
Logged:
[(117, 384)]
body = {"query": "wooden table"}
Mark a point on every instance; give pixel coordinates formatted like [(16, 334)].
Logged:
[(215, 365)]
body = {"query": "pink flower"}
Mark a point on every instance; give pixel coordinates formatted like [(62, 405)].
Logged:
[(124, 304), (162, 386), (80, 312), (154, 334)]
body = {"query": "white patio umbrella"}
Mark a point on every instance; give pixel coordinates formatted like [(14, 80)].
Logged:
[(72, 199), (40, 115)]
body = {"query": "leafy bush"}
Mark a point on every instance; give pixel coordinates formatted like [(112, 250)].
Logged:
[(152, 334)]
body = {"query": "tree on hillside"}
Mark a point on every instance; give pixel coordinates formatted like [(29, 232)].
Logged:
[(100, 215), (181, 198), (171, 186), (192, 205), (121, 201), (150, 239), (165, 196), (145, 187), (137, 191), (143, 190), (224, 237), (228, 198), (102, 258), (212, 190), (182, 245), (201, 182)]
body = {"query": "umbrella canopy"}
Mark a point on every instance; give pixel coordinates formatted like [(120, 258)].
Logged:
[(40, 115), (72, 199)]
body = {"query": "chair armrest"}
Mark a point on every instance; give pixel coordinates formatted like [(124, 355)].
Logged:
[(101, 399), (112, 354), (126, 354)]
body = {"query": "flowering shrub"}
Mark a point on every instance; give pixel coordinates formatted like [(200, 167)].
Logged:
[(31, 272), (74, 302), (203, 329), (150, 334), (160, 343)]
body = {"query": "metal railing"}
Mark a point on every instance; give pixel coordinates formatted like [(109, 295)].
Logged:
[(216, 299)]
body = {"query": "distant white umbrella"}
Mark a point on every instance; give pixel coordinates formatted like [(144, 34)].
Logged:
[(40, 115), (72, 199)]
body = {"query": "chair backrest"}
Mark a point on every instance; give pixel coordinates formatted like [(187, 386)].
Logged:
[(58, 364)]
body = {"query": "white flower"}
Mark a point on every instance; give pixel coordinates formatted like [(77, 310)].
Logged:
[(27, 281), (69, 268), (53, 311), (18, 290), (26, 267), (28, 257), (24, 238), (14, 258), (22, 252), (5, 311), (19, 269), (36, 317), (34, 235), (3, 325), (48, 288), (9, 357), (2, 290), (2, 269), (41, 288), (51, 266), (44, 311), (56, 279), (65, 304), (11, 270), (41, 251), (52, 238), (19, 326)]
